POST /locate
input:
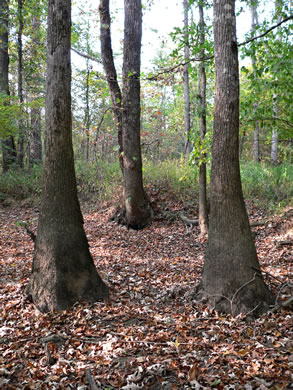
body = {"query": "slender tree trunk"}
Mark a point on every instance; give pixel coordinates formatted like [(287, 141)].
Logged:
[(188, 147), (21, 136), (87, 114), (8, 145), (63, 270), (254, 24), (35, 142), (126, 106), (231, 278), (35, 137), (203, 204), (275, 132)]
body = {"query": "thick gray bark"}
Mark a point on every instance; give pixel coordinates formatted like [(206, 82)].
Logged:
[(63, 271), (8, 145), (187, 122), (231, 277), (203, 204)]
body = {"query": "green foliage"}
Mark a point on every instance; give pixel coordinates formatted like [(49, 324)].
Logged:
[(269, 186), (101, 178), (20, 184), (10, 111), (174, 176)]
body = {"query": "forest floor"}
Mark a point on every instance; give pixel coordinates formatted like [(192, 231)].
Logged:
[(152, 333)]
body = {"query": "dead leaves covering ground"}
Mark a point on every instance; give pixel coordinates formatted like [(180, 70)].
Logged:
[(151, 334)]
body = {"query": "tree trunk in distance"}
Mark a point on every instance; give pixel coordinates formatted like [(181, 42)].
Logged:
[(203, 203), (254, 23), (231, 277), (8, 145), (35, 142), (275, 132), (187, 147), (63, 271), (35, 136), (21, 136), (138, 210)]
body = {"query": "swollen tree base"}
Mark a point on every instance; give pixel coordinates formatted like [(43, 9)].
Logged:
[(142, 220), (63, 271)]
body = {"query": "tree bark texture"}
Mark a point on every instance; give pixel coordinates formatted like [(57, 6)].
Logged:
[(187, 122), (8, 145), (63, 271), (138, 210), (229, 281), (203, 203)]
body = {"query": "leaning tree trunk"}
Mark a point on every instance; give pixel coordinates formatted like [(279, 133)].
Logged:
[(8, 145), (63, 271), (110, 70), (202, 203), (126, 107), (231, 278)]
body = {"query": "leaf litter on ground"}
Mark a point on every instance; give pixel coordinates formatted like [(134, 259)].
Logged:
[(152, 333)]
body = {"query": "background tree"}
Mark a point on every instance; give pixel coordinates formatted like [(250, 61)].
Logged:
[(8, 144), (202, 204), (187, 124), (63, 270), (231, 276)]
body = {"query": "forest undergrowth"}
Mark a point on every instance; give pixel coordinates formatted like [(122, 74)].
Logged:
[(152, 333)]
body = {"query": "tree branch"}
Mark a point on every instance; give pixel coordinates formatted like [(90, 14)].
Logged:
[(88, 57), (266, 32)]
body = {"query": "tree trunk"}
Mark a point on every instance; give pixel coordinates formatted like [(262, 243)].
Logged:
[(110, 70), (275, 132), (8, 145), (203, 204), (35, 137), (126, 106), (138, 211), (254, 24), (35, 142), (21, 136), (231, 278), (63, 271), (187, 126), (87, 114)]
